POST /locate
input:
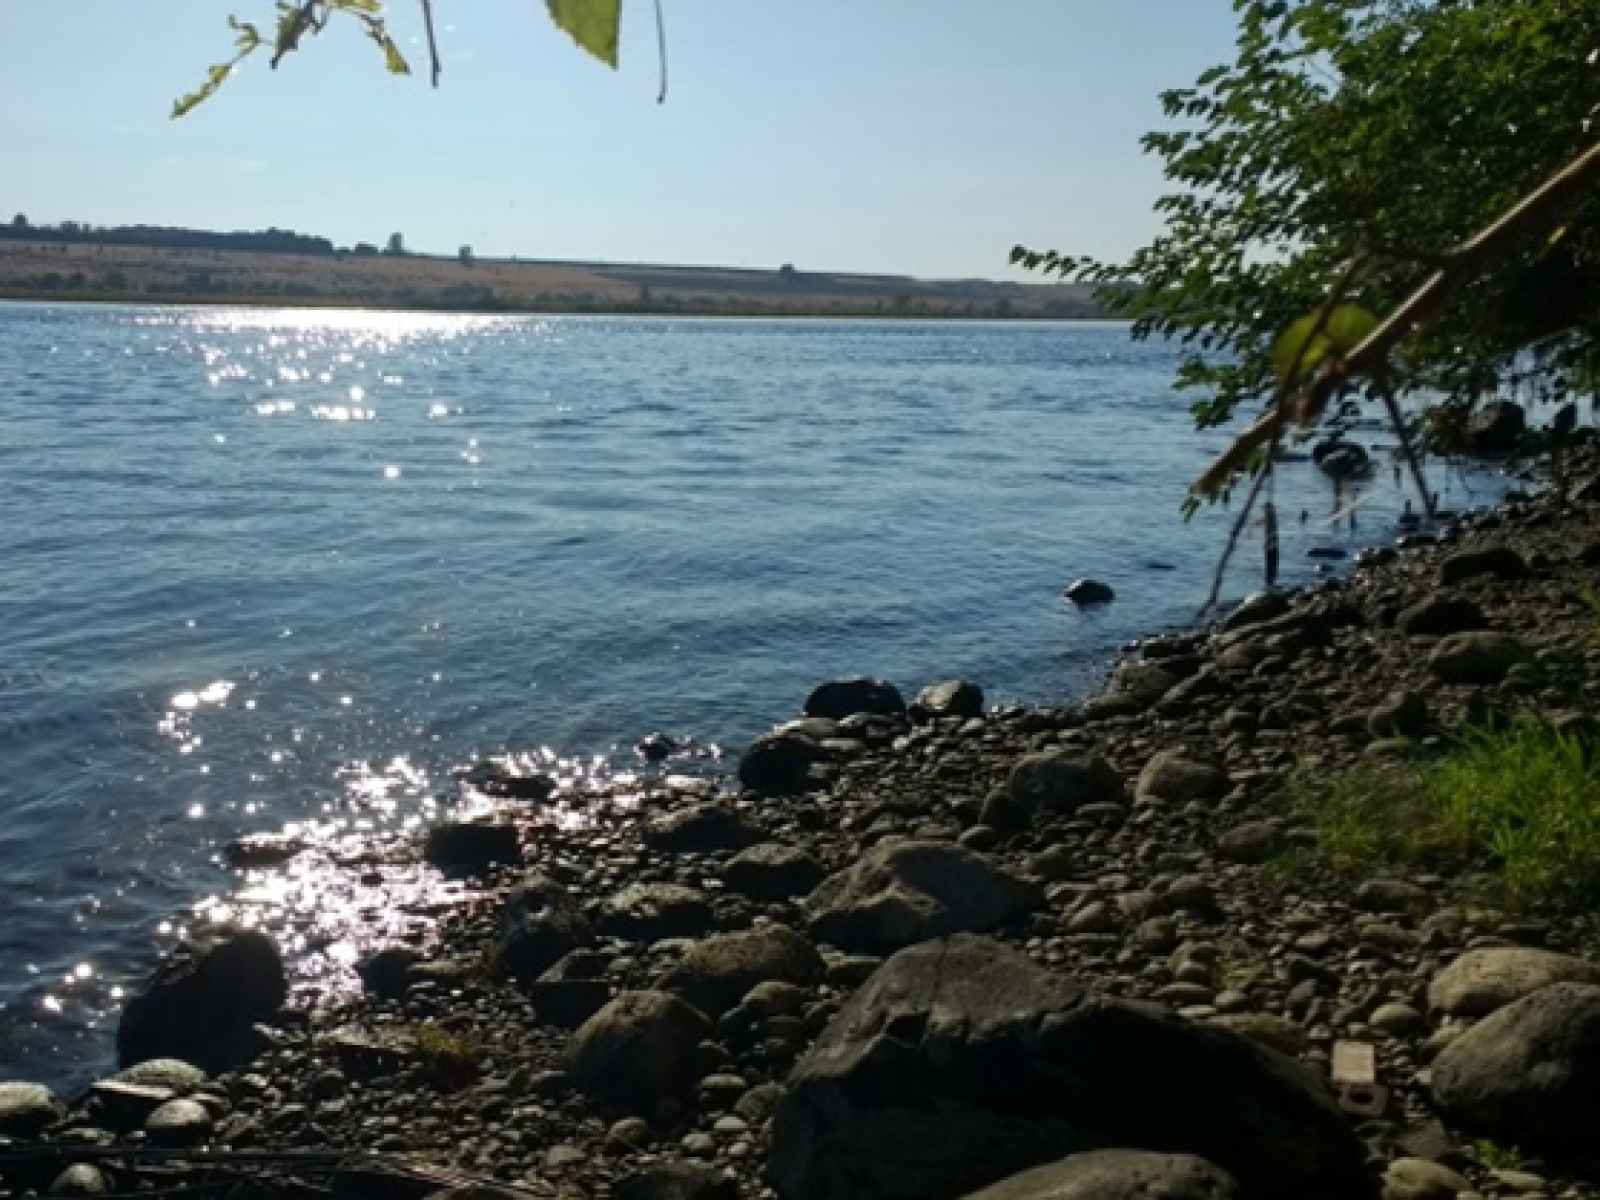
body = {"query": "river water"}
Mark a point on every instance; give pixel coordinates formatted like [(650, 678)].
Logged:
[(266, 568)]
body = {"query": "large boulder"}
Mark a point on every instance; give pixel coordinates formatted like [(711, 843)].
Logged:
[(1117, 1175), (1529, 1074), (1174, 775), (843, 698), (1497, 562), (1142, 682), (1439, 616), (773, 871), (639, 1049), (1482, 981), (779, 764), (650, 912), (539, 925), (203, 1000), (26, 1109), (1476, 658), (952, 698), (469, 847), (961, 1062), (708, 828), (718, 972), (902, 892), (1086, 593), (1062, 781)]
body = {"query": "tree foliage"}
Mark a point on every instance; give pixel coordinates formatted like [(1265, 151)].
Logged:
[(1381, 133)]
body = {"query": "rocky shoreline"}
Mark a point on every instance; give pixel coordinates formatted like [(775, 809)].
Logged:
[(930, 950)]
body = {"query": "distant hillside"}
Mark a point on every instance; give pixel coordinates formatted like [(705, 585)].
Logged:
[(153, 264)]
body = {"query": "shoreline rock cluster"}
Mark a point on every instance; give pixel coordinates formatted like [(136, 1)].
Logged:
[(932, 950)]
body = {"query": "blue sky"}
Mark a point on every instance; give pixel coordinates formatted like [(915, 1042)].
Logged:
[(916, 136)]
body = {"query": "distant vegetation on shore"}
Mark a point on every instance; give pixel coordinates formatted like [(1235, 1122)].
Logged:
[(154, 264)]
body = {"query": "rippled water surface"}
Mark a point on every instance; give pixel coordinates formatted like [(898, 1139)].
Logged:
[(267, 569)]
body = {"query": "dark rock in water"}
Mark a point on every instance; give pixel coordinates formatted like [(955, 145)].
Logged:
[(1403, 714), (677, 1181), (387, 973), (1061, 781), (26, 1109), (1256, 610), (903, 892), (261, 850), (953, 698), (202, 1001), (539, 925), (1118, 1175), (718, 972), (1476, 658), (772, 871), (961, 1063), (471, 846), (1084, 592), (1342, 460), (1529, 1074), (1439, 616), (779, 764), (706, 828), (1329, 553), (1500, 562), (843, 698), (650, 912), (639, 1049), (1496, 429), (656, 747), (497, 777)]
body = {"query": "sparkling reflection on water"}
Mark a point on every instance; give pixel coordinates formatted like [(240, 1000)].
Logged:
[(275, 571)]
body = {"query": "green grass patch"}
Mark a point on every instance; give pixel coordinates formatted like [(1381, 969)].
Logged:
[(1516, 804)]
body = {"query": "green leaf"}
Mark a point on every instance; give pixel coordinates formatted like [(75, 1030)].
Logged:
[(1312, 340), (1348, 326), (594, 24)]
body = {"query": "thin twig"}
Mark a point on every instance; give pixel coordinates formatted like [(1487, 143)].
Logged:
[(1408, 448), (433, 41), (661, 50)]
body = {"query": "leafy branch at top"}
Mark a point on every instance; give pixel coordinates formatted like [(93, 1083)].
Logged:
[(594, 24)]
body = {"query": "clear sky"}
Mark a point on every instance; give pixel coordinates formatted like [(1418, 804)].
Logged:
[(916, 136)]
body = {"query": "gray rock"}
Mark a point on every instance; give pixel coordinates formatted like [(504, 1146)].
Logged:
[(386, 973), (1528, 1074), (649, 912), (81, 1179), (1438, 616), (1117, 1175), (471, 846), (1481, 981), (961, 1063), (952, 698), (843, 698), (1144, 683), (1401, 715), (1393, 896), (1419, 1179), (1062, 781), (677, 1181), (707, 828), (772, 871), (28, 1108), (1498, 562), (1496, 428), (170, 1074), (202, 1002), (179, 1123), (779, 764), (540, 924), (1256, 610), (1476, 658), (638, 1049), (903, 892), (1086, 592), (717, 973), (1252, 843), (1397, 1020), (1173, 775)]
